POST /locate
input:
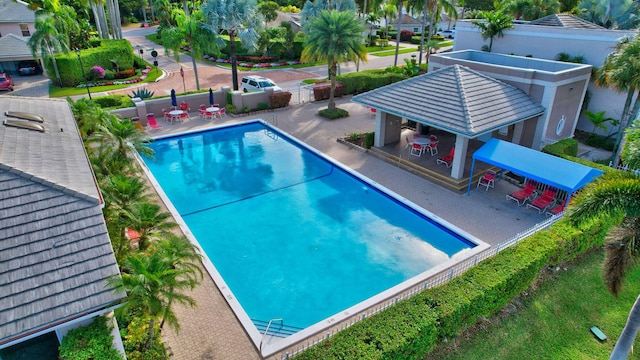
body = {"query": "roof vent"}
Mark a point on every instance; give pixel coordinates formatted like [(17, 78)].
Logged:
[(23, 124), (25, 116)]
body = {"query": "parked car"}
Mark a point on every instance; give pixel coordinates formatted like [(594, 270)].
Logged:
[(448, 34), (29, 67), (6, 82), (254, 82)]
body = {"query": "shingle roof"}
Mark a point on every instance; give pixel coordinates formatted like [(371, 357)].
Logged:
[(55, 252), (56, 158), (406, 20), (11, 46), (455, 99), (16, 12), (565, 20)]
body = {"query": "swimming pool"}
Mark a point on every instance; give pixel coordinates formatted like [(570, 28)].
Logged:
[(290, 234)]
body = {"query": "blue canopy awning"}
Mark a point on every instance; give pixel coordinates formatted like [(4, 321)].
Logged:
[(548, 169)]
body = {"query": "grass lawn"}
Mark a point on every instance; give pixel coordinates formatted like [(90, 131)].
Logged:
[(393, 52), (371, 49), (55, 91), (553, 322)]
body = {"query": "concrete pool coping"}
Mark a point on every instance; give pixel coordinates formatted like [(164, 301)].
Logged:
[(271, 345), (212, 331)]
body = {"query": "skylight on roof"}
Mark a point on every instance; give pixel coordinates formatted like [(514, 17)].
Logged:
[(25, 116), (24, 124)]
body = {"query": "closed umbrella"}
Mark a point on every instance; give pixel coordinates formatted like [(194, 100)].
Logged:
[(211, 97), (174, 100)]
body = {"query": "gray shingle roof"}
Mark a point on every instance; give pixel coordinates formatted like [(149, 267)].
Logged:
[(56, 158), (55, 252), (456, 99), (565, 20), (16, 12), (11, 46)]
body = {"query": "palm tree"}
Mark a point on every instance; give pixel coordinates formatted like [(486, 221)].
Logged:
[(149, 221), (116, 134), (493, 25), (434, 9), (152, 285), (238, 18), (399, 4), (46, 41), (388, 11), (631, 152), (181, 255), (193, 31), (616, 194), (334, 36), (621, 72), (612, 14)]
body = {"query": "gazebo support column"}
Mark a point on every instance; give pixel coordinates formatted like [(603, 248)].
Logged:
[(388, 129), (459, 157), (380, 129)]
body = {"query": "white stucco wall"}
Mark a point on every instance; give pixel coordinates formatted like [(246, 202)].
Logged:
[(546, 42), (14, 28)]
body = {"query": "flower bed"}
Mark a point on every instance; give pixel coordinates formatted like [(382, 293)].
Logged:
[(118, 82), (251, 65)]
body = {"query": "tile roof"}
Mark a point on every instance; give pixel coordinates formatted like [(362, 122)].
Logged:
[(16, 12), (455, 99), (565, 20), (55, 252), (406, 20), (12, 46), (55, 157)]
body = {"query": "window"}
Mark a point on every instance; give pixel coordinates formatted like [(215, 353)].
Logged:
[(25, 30), (415, 30), (560, 125)]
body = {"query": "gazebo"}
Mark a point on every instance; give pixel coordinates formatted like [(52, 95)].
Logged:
[(455, 99)]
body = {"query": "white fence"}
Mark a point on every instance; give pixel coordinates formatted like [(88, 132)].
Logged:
[(436, 280), (301, 93)]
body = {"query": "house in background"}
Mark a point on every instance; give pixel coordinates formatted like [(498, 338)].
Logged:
[(55, 252), (17, 24), (547, 37), (407, 23)]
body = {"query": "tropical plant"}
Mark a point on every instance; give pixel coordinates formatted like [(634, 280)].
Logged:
[(334, 36), (631, 152), (121, 137), (388, 11), (149, 221), (269, 12), (47, 40), (142, 94), (433, 9), (312, 9), (152, 285), (620, 71), (530, 9), (399, 4), (566, 57), (611, 14), (616, 194), (238, 19), (493, 25), (192, 30), (598, 119)]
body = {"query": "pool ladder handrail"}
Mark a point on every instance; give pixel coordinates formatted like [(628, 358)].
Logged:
[(266, 331)]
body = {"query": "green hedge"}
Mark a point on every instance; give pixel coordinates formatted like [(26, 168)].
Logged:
[(110, 53), (91, 342), (565, 147), (116, 101), (362, 81), (411, 328)]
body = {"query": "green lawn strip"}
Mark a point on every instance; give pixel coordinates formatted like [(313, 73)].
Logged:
[(371, 49), (55, 91), (553, 322), (153, 37), (393, 52)]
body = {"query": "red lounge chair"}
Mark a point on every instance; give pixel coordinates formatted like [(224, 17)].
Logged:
[(487, 180), (447, 160), (151, 119), (527, 193), (542, 202), (556, 209)]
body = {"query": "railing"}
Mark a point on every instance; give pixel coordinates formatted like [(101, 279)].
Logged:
[(625, 168), (436, 280), (302, 93), (266, 331)]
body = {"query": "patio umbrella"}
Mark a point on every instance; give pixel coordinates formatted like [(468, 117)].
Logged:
[(174, 101), (211, 97)]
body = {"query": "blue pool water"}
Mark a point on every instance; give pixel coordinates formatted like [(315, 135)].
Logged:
[(292, 235)]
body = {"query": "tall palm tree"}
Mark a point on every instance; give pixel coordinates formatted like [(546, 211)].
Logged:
[(193, 31), (238, 19), (399, 4), (46, 41), (152, 286), (493, 25), (389, 11), (334, 36), (149, 221), (616, 194), (116, 134), (433, 9), (621, 72)]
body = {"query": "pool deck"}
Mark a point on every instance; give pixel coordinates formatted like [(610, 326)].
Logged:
[(211, 330)]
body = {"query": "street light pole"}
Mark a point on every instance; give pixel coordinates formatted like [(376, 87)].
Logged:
[(83, 75)]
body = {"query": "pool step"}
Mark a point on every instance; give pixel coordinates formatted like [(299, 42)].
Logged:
[(276, 329)]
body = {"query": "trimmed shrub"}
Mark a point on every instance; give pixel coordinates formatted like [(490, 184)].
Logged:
[(323, 92), (231, 109), (335, 114), (416, 40), (116, 101), (263, 106), (125, 74), (93, 341), (405, 35), (368, 140), (279, 99), (362, 81), (564, 147), (136, 338)]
